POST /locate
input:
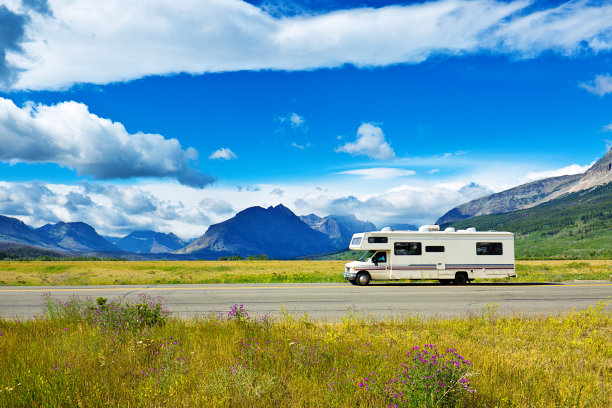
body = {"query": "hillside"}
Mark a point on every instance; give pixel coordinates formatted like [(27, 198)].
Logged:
[(534, 193), (575, 225), (12, 250)]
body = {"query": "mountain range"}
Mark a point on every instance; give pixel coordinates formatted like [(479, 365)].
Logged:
[(575, 210), (534, 193), (275, 231)]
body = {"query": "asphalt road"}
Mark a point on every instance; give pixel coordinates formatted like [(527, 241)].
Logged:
[(330, 301)]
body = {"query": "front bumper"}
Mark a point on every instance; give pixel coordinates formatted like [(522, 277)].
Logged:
[(350, 275)]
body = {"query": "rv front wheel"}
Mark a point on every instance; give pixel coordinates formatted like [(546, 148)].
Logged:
[(461, 278), (363, 279)]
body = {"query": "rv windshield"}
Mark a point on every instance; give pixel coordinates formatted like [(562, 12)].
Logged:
[(367, 255)]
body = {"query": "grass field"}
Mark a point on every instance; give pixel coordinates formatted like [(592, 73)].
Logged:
[(168, 272), (235, 360)]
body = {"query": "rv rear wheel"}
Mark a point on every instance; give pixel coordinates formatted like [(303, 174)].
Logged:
[(363, 279), (461, 278)]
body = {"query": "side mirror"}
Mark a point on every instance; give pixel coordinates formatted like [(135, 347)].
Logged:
[(376, 263)]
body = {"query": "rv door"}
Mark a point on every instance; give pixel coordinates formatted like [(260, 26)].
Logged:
[(381, 265)]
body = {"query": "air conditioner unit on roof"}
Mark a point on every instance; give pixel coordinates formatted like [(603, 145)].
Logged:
[(427, 228)]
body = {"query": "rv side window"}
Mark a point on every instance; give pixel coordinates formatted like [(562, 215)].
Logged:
[(356, 241), (377, 240), (434, 248), (407, 248), (489, 248)]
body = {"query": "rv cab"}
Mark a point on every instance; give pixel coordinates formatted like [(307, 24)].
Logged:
[(375, 262)]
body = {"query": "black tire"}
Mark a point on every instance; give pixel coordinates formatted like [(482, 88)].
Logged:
[(363, 278), (461, 278), (446, 281), (353, 281)]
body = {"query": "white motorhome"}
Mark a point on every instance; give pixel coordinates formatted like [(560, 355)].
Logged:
[(450, 256)]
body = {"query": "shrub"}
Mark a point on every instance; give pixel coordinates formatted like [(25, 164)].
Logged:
[(238, 314), (429, 378), (113, 316)]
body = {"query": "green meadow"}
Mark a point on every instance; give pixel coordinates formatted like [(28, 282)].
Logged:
[(64, 272)]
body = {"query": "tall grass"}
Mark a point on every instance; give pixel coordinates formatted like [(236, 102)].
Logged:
[(234, 359), (18, 273)]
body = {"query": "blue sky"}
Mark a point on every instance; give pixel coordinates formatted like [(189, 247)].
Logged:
[(164, 116)]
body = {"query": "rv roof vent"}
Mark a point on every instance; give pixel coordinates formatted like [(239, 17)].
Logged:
[(449, 229), (426, 228), (471, 229), (386, 229)]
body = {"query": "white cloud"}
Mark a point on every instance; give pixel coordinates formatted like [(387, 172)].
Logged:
[(601, 85), (278, 192), (379, 173), (370, 142), (608, 128), (69, 135), (294, 124), (402, 204), (433, 171), (101, 42), (223, 154), (216, 206), (111, 210), (297, 120), (568, 29), (567, 170)]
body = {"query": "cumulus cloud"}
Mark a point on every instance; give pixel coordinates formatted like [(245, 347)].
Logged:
[(563, 171), (405, 204), (159, 37), (379, 173), (69, 135), (601, 85), (223, 154), (278, 192), (370, 142)]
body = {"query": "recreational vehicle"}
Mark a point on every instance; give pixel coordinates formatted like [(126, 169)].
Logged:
[(450, 256)]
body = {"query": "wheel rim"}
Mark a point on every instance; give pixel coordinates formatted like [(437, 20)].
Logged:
[(363, 279)]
